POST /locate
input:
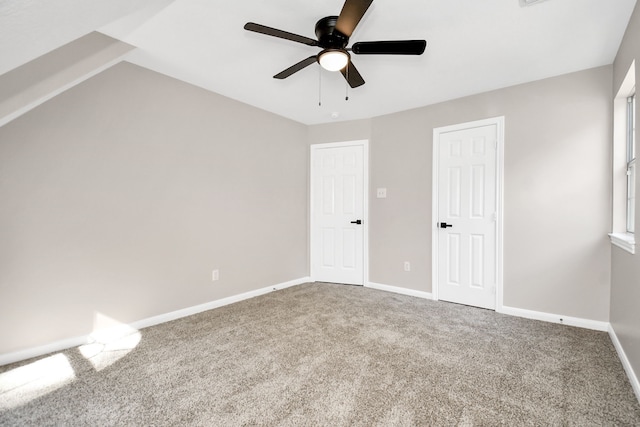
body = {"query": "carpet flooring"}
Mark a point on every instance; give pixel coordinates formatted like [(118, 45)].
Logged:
[(332, 355)]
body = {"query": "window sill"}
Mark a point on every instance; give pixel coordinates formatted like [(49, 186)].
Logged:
[(625, 241)]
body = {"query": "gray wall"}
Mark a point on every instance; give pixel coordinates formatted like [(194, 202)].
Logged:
[(121, 195), (557, 191), (340, 131), (625, 279)]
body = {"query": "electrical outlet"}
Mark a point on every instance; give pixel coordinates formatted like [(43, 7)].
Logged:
[(407, 266), (215, 275), (381, 193)]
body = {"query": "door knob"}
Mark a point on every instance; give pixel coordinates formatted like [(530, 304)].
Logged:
[(358, 221), (445, 225)]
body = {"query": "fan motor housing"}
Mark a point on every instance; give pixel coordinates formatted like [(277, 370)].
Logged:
[(328, 36)]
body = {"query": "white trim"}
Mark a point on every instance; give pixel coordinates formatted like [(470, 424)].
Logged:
[(511, 311), (53, 347), (555, 318), (633, 379), (41, 100), (144, 323), (619, 154), (167, 317), (364, 143), (625, 241), (500, 124), (399, 290)]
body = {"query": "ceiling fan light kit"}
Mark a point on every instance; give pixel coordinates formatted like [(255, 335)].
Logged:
[(333, 34), (333, 59)]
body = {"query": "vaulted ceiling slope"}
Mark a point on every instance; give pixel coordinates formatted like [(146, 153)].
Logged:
[(473, 46)]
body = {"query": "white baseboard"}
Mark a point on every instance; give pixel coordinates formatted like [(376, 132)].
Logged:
[(53, 347), (512, 311), (555, 318), (399, 290), (65, 344), (167, 317), (633, 379)]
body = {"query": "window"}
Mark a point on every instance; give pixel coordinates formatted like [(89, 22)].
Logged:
[(624, 164), (631, 163)]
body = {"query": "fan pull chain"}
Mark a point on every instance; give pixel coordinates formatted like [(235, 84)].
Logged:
[(346, 86), (319, 86)]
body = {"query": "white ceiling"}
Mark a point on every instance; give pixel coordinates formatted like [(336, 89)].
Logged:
[(473, 46)]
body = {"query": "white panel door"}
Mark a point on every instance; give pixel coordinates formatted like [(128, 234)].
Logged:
[(467, 214), (337, 236)]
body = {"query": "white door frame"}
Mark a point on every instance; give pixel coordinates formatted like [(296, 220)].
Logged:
[(499, 122), (365, 199)]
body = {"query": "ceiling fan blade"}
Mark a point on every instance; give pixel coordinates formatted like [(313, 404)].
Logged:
[(395, 47), (351, 74), (352, 12), (296, 67), (263, 29)]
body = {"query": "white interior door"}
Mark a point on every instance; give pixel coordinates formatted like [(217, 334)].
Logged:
[(338, 213), (467, 214)]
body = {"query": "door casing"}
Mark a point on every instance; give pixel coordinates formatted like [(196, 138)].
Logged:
[(365, 197), (499, 123)]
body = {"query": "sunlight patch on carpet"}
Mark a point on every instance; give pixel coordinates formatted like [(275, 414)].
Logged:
[(109, 342), (26, 383)]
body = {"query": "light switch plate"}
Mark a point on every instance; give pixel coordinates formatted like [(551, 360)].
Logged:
[(381, 193)]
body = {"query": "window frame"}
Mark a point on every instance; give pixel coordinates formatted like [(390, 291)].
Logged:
[(631, 163), (624, 164)]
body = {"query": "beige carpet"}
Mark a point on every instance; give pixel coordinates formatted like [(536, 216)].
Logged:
[(335, 355)]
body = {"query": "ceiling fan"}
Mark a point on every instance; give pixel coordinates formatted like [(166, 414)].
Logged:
[(333, 34)]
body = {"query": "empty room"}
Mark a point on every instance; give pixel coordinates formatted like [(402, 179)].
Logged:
[(340, 212)]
